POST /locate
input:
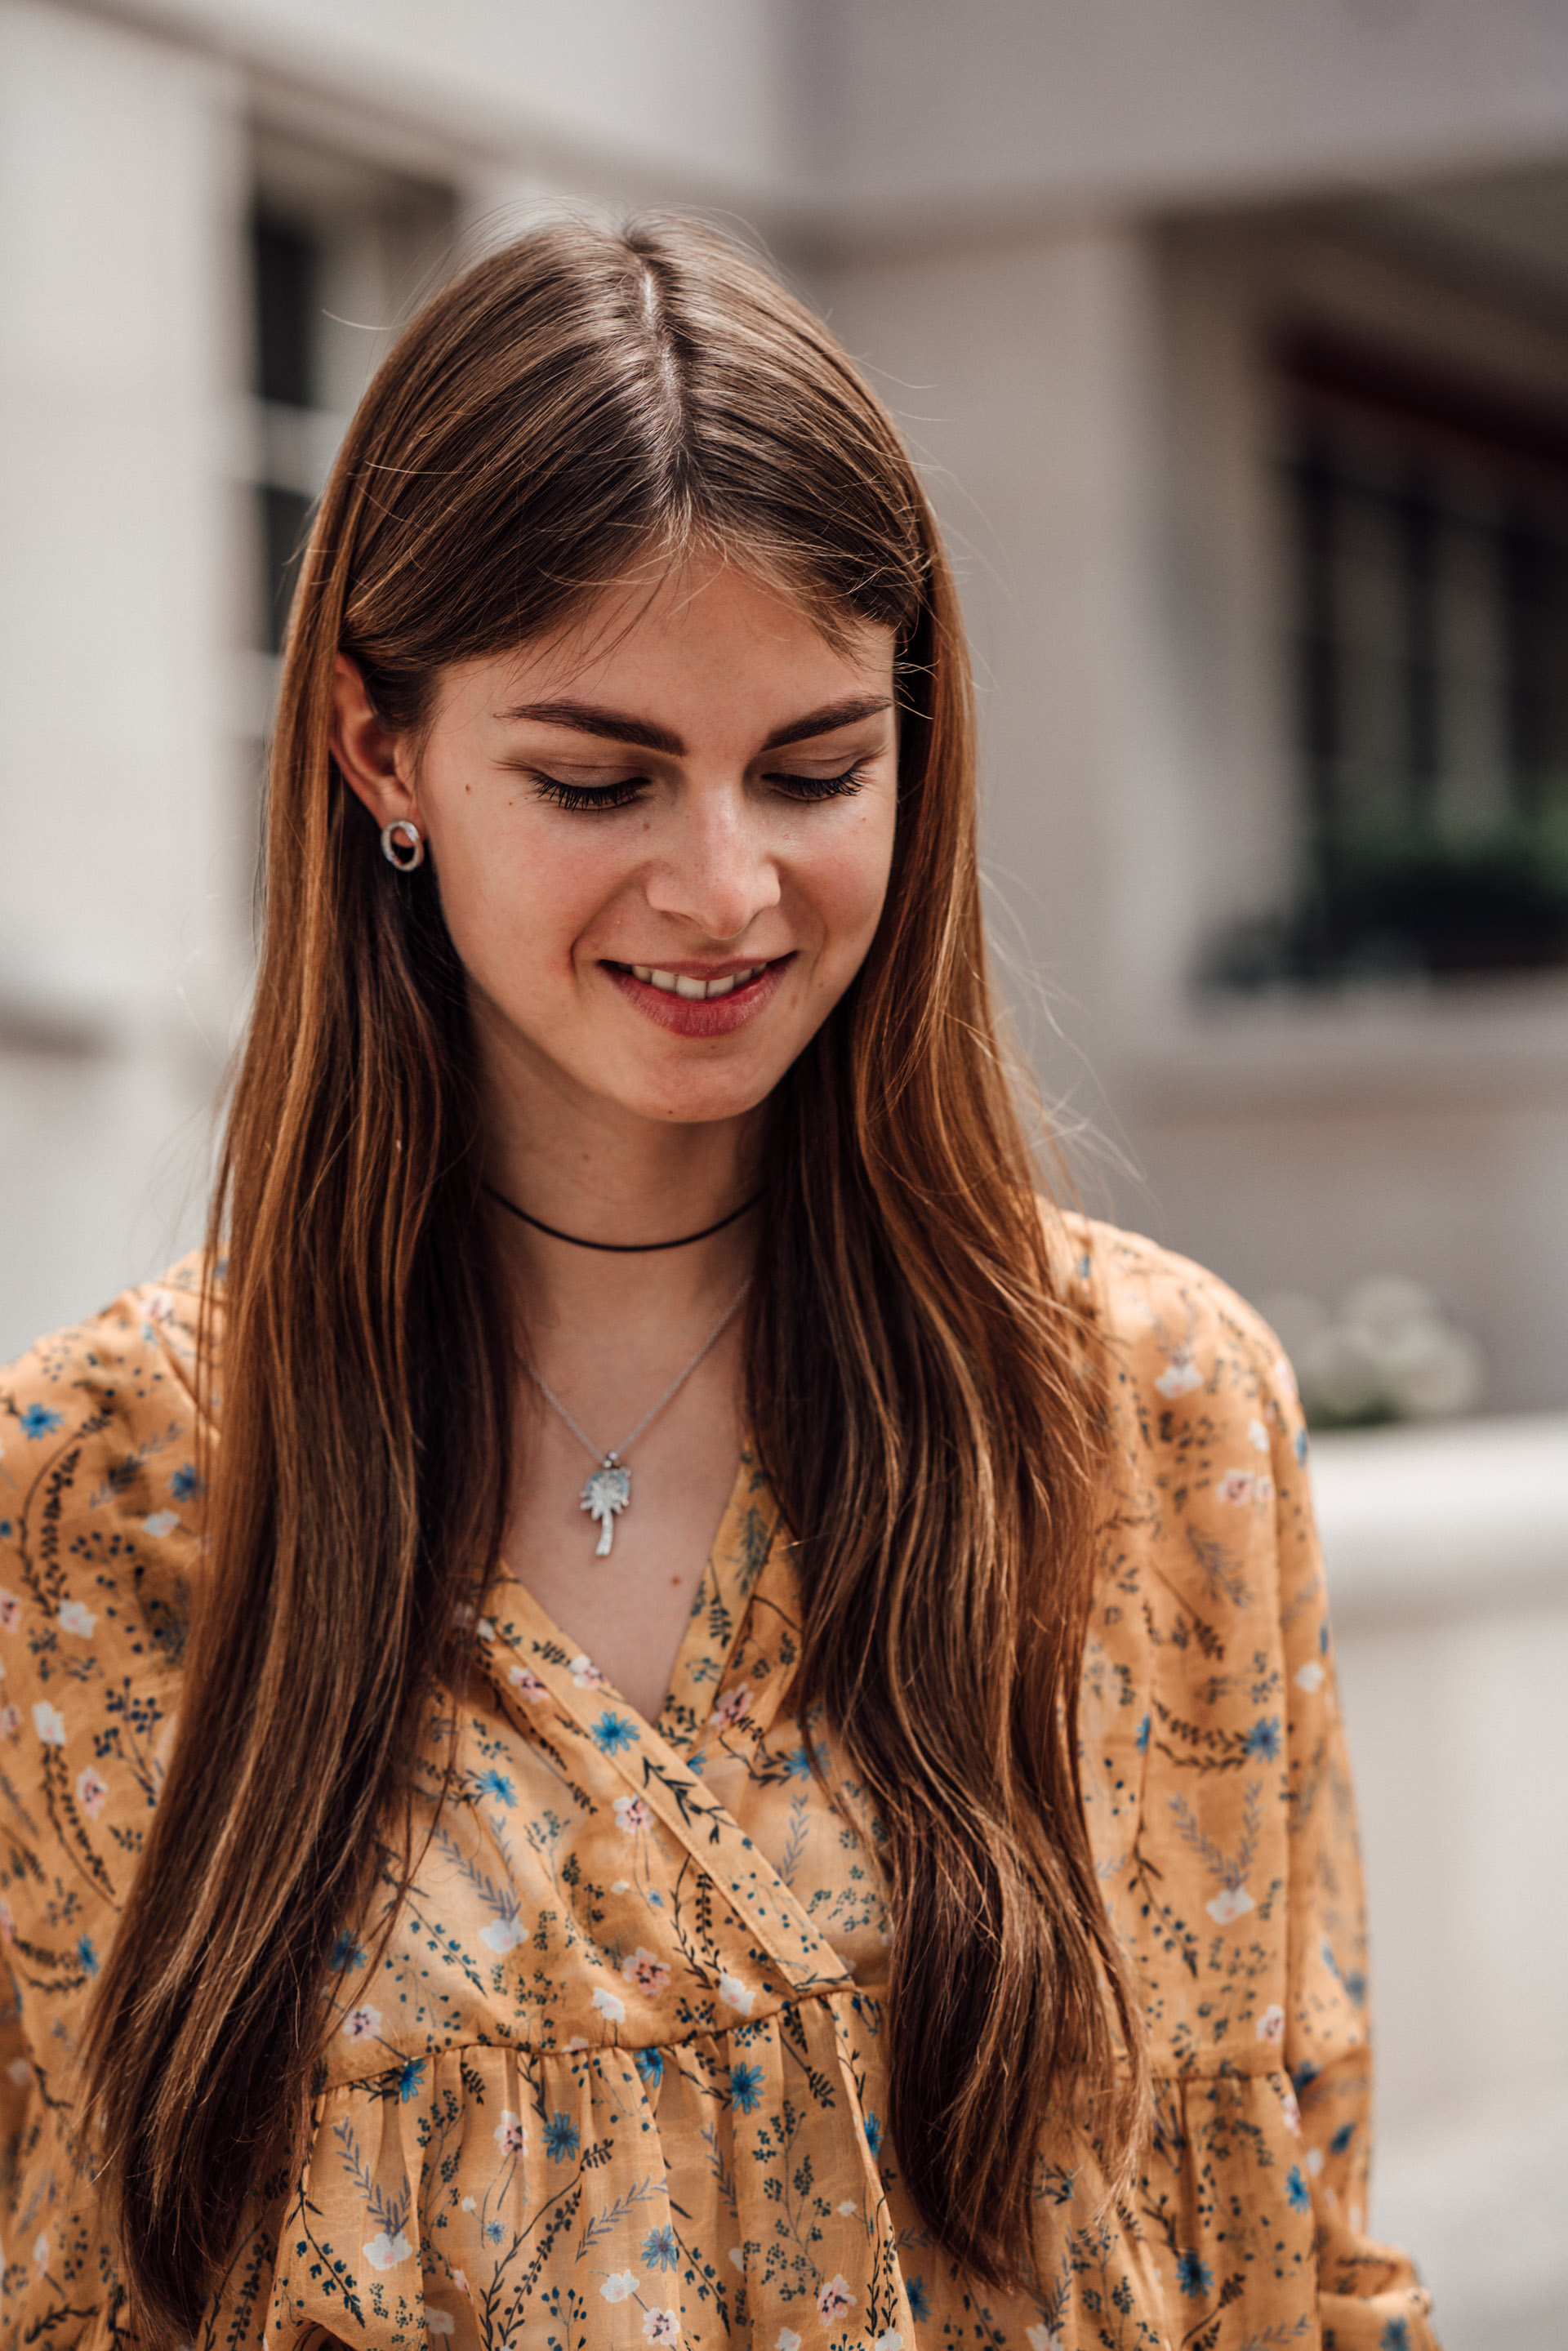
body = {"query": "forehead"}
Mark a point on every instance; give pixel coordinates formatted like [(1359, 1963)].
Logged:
[(711, 635)]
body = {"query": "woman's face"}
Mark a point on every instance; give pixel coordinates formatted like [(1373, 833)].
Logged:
[(662, 837)]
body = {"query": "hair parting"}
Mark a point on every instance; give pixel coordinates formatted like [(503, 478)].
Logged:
[(921, 1385)]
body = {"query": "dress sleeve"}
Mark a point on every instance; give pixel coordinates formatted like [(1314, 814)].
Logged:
[(1370, 2299)]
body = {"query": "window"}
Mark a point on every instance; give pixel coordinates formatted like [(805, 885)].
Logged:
[(339, 254), (1426, 524)]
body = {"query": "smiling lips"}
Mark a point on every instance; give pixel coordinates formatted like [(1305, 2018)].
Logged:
[(696, 1003)]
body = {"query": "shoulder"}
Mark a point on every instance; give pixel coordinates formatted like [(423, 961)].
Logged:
[(1177, 1339), (100, 1532)]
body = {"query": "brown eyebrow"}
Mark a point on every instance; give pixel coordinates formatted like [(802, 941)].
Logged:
[(615, 726)]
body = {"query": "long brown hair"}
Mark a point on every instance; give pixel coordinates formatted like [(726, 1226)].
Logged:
[(923, 1395)]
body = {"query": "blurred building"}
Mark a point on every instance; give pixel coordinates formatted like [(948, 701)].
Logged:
[(1233, 335)]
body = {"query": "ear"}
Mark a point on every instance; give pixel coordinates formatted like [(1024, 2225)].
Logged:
[(367, 749)]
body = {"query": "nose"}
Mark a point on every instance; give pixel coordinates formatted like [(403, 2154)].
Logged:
[(715, 870)]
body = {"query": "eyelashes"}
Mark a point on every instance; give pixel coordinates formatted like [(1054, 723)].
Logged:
[(605, 797)]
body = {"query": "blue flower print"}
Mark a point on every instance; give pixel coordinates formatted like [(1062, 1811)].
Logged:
[(797, 1764), (919, 2300), (495, 1783), (1301, 1444), (660, 2251), (873, 2135), (650, 2065), (493, 2232), (1193, 2272), (410, 2073), (1342, 2138), (612, 1734), (184, 1484), (1396, 2336), (1296, 2193), (1263, 1739), (39, 1418), (562, 2138), (345, 1953), (87, 1955), (7, 1530), (746, 2087), (1142, 1742)]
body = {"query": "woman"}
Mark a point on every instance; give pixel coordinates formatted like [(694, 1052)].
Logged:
[(522, 1915)]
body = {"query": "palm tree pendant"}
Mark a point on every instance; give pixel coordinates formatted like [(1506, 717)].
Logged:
[(607, 1493)]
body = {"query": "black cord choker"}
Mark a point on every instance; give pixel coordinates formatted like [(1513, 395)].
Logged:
[(622, 1249)]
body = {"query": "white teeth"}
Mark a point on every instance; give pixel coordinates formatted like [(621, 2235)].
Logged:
[(694, 990)]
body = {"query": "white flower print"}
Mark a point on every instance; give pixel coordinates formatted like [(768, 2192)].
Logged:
[(72, 1618), (92, 1792), (10, 1612), (1231, 1902), (439, 2322), (1314, 2160), (361, 2023), (1180, 1377), (890, 2339), (527, 1683), (1272, 2024), (49, 1723), (1042, 2338), (502, 1935), (787, 2340), (611, 2006), (384, 2251), (729, 1708), (511, 2133), (661, 2325), (618, 2285), (834, 2299), (736, 1995), (40, 2254), (620, 1886), (1310, 1677), (585, 1673), (1292, 2110), (162, 1523), (1236, 1485), (632, 1813), (737, 2258), (645, 1971), (20, 2071), (1258, 1436)]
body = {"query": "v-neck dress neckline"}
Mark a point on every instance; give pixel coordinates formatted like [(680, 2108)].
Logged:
[(748, 1532)]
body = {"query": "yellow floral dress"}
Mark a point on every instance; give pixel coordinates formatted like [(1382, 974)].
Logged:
[(619, 2079)]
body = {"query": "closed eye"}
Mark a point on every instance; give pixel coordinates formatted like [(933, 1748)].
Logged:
[(588, 796), (822, 787)]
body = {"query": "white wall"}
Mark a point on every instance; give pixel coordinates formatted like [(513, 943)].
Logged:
[(120, 885)]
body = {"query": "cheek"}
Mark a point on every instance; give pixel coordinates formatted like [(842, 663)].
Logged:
[(514, 897), (847, 881)]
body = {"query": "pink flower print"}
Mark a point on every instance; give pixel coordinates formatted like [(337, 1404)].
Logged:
[(92, 1793), (362, 2024), (49, 1723), (40, 2254), (633, 1814), (527, 1683), (511, 2133), (737, 1995), (835, 2300), (618, 2285), (585, 1673), (1236, 1485), (787, 2340), (1292, 2110), (384, 2251), (645, 1971), (7, 1920), (10, 1722), (1231, 1902), (10, 1612), (1271, 2025), (611, 2006), (729, 1708), (1180, 1377), (162, 1523), (661, 2325), (439, 2322)]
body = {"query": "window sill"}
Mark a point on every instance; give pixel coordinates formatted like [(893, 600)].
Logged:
[(1496, 1041)]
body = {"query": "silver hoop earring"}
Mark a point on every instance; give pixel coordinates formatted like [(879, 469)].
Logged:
[(405, 852)]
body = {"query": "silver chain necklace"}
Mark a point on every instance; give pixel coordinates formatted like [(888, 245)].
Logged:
[(609, 1490)]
